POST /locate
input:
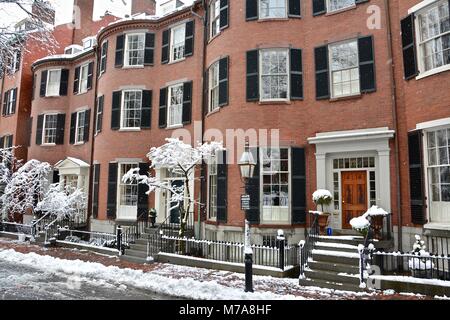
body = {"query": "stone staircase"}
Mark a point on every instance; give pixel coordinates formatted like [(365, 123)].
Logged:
[(143, 250), (334, 264)]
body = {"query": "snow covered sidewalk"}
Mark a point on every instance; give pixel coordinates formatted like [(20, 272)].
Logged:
[(166, 279)]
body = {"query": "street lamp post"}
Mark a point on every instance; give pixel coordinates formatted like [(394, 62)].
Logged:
[(246, 167)]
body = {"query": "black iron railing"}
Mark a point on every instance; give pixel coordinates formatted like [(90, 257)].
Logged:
[(89, 238), (307, 245), (232, 252), (438, 245)]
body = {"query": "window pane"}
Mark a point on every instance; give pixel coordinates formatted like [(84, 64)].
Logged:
[(274, 75), (334, 5)]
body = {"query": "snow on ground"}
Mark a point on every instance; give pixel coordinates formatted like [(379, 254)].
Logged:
[(181, 287)]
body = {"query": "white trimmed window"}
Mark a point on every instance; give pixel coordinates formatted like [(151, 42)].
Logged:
[(12, 97), (438, 145), (274, 75), (275, 176), (135, 49), (128, 191), (84, 74), (49, 129), (80, 124), (177, 42), (215, 18), (344, 69), (214, 87), (175, 107), (272, 9), (53, 82), (103, 57), (212, 182), (336, 5), (131, 109), (434, 36)]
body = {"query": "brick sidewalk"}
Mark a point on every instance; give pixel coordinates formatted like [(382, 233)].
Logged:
[(225, 278)]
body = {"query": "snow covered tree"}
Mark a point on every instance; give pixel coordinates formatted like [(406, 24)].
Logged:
[(179, 158), (25, 188), (36, 24), (63, 202)]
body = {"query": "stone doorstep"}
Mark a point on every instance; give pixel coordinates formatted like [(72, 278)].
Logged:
[(418, 288)]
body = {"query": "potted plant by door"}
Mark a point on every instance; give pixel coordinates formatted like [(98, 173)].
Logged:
[(377, 216), (152, 216), (361, 224), (422, 265), (322, 197)]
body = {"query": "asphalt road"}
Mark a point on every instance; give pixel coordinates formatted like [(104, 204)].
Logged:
[(24, 283)]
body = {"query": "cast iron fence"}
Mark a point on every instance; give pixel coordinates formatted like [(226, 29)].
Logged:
[(307, 246)]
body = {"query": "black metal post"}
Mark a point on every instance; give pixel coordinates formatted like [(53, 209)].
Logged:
[(248, 272), (119, 239), (281, 244)]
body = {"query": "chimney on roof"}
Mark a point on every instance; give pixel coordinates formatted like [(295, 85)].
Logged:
[(44, 11), (143, 6), (83, 11)]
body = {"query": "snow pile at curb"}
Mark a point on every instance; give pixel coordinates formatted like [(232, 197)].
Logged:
[(184, 287)]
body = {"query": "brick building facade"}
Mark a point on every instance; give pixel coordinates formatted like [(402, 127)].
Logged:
[(346, 102)]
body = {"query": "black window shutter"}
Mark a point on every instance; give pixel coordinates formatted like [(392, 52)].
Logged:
[(39, 127), (149, 49), (224, 14), (60, 124), (252, 75), (90, 75), (120, 46), (319, 7), (2, 144), (100, 109), (187, 102), (298, 164), (142, 207), (252, 188), (296, 74), (189, 39), (55, 178), (95, 190), (222, 186), (29, 130), (5, 102), (112, 191), (64, 82), (223, 81), (73, 124), (251, 10), (14, 102), (115, 110), (165, 46), (146, 112), (19, 58), (163, 108), (76, 80), (43, 88), (416, 178), (294, 8), (409, 48), (366, 64), (87, 124), (322, 77), (33, 86)]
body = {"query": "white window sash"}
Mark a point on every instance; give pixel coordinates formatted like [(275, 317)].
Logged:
[(56, 86), (82, 85), (45, 137), (127, 50), (288, 75), (214, 87), (170, 121), (178, 46), (329, 9), (123, 119)]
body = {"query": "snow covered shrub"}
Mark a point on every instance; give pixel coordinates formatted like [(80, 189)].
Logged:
[(376, 211), (322, 197), (360, 224), (422, 262)]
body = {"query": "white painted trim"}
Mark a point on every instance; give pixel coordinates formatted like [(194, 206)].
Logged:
[(432, 72), (364, 134), (433, 124), (421, 5)]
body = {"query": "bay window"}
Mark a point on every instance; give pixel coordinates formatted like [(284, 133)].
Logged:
[(344, 68), (434, 36), (131, 109), (53, 82), (135, 49), (272, 9), (275, 184), (49, 128), (178, 42), (274, 76), (175, 107)]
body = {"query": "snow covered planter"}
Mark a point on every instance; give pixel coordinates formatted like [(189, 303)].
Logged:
[(377, 216), (360, 224), (322, 197), (422, 266)]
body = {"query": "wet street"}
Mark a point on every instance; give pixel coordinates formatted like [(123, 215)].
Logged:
[(18, 282)]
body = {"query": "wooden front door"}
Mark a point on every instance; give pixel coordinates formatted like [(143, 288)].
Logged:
[(354, 196)]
